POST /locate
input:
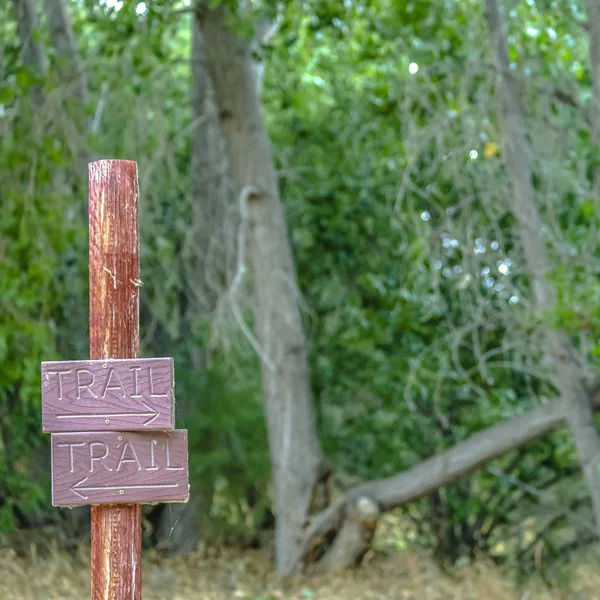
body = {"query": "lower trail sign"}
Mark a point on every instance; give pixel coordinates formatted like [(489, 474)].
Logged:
[(111, 418), (118, 467)]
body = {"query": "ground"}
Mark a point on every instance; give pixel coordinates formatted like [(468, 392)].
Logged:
[(401, 575)]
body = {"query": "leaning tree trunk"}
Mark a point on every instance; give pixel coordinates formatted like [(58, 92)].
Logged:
[(338, 536), (297, 462), (523, 204), (33, 54)]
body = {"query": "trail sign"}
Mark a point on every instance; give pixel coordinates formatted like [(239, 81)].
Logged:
[(112, 421), (114, 467), (108, 395)]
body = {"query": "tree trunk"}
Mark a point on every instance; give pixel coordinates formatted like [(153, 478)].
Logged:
[(181, 527), (63, 40), (297, 462), (72, 77), (33, 54), (353, 539), (569, 377), (593, 21), (211, 187)]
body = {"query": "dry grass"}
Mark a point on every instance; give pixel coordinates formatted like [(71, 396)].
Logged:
[(247, 575)]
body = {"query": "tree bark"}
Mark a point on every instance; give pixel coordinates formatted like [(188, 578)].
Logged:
[(593, 20), (63, 40), (523, 204), (33, 54), (297, 461), (211, 188), (352, 540), (182, 525)]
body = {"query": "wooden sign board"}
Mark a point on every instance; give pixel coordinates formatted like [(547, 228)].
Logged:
[(113, 467), (108, 395)]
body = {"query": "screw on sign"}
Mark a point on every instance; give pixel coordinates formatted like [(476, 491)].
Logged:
[(111, 418)]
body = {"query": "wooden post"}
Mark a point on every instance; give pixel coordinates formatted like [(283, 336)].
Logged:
[(111, 418), (114, 333)]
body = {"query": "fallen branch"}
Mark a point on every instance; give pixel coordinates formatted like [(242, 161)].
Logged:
[(424, 478)]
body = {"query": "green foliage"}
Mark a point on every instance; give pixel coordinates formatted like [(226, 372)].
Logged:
[(34, 268), (390, 156), (228, 445), (386, 130)]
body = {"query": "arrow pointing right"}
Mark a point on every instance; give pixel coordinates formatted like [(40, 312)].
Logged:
[(151, 415)]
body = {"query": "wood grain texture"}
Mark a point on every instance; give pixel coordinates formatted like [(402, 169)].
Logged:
[(117, 572), (114, 467), (114, 260), (108, 395), (114, 333)]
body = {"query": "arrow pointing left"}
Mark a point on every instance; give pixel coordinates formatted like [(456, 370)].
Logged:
[(77, 488), (119, 467)]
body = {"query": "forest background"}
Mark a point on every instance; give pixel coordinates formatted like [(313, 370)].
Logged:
[(369, 239)]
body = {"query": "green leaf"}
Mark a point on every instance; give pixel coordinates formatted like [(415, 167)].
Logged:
[(7, 94), (24, 79), (588, 210)]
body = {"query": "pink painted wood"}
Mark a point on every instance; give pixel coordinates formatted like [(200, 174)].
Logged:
[(114, 467), (108, 395)]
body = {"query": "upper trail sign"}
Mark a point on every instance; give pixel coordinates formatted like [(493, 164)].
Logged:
[(108, 395)]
